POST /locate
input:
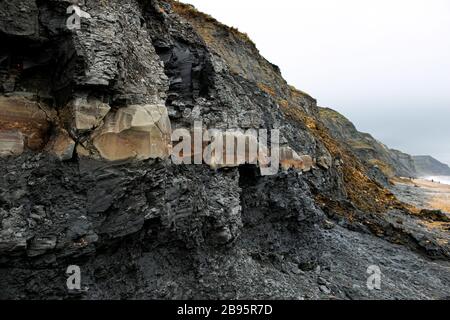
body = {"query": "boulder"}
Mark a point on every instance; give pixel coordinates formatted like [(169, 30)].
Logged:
[(137, 131), (62, 146), (87, 113), (289, 159)]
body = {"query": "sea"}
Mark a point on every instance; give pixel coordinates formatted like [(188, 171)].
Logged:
[(441, 179)]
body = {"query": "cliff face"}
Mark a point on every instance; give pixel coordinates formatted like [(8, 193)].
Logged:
[(377, 156), (87, 176), (428, 166), (372, 152)]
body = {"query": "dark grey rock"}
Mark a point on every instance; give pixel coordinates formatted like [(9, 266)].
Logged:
[(153, 230)]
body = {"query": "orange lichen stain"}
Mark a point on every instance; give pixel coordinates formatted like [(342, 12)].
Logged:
[(267, 89)]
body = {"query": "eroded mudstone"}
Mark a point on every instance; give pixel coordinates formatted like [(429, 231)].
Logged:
[(12, 245), (88, 113), (62, 146), (39, 246), (19, 20), (23, 123), (289, 159), (138, 131)]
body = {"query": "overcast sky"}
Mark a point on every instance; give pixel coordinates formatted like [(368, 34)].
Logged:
[(385, 64)]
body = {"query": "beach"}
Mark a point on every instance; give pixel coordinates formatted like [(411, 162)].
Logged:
[(439, 179), (423, 193)]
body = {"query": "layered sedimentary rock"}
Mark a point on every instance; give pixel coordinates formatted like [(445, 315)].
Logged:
[(378, 156), (368, 149), (234, 148), (143, 227), (86, 114), (137, 131), (23, 124), (11, 142)]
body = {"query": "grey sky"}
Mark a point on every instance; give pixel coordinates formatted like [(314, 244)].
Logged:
[(384, 64)]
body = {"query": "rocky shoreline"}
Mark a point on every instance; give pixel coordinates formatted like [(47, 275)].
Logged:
[(423, 194)]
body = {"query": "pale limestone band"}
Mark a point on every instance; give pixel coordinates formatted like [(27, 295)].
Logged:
[(137, 132)]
